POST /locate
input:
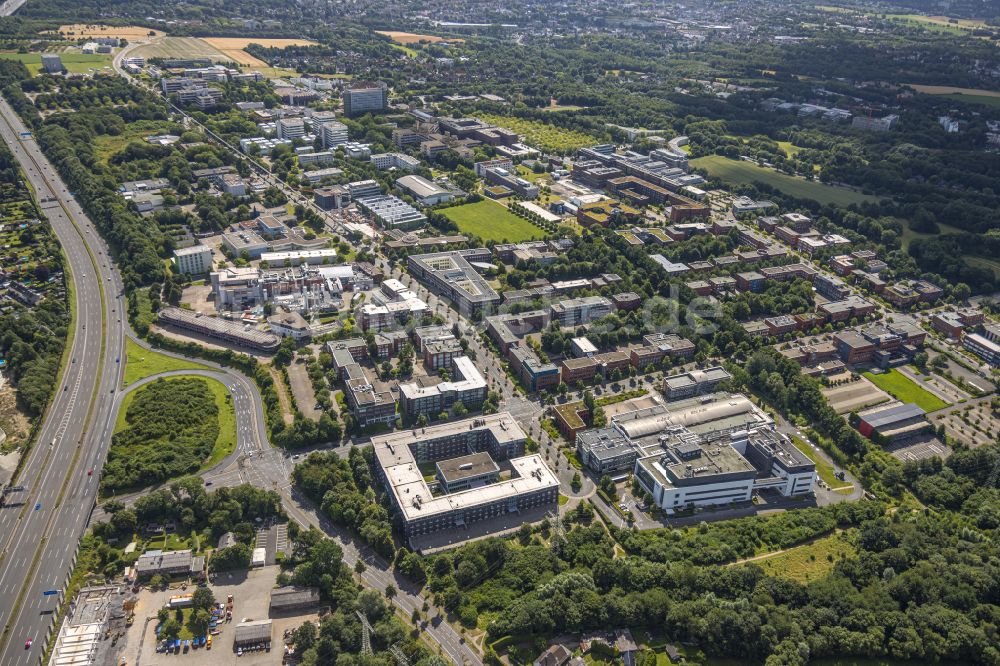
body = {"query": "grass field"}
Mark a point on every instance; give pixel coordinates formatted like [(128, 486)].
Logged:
[(541, 135), (738, 171), (983, 262), (140, 363), (75, 63), (491, 221), (789, 148), (909, 234), (808, 562), (905, 389)]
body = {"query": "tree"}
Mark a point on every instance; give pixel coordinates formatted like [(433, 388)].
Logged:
[(390, 591), (203, 598), (170, 629)]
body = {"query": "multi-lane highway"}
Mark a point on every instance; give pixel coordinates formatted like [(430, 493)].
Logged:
[(40, 537)]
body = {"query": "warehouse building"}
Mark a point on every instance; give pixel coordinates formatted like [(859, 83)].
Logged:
[(465, 493), (893, 423), (293, 598), (252, 632)]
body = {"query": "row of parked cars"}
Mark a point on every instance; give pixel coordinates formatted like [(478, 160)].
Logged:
[(177, 646)]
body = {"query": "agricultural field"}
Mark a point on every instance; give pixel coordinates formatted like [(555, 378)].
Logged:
[(179, 47), (233, 47), (905, 389), (132, 33), (414, 38), (75, 63), (810, 562), (966, 95), (548, 138), (740, 172), (491, 221)]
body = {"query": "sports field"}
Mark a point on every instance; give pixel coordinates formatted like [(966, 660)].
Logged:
[(75, 63), (905, 389), (738, 171), (491, 221)]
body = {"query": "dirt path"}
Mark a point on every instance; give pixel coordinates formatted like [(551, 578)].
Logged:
[(773, 553)]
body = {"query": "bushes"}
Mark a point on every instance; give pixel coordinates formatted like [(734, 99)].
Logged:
[(172, 427)]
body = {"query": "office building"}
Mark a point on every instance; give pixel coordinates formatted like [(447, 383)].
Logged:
[(194, 260), (430, 396), (467, 490), (450, 274), (577, 311), (391, 212), (399, 161), (695, 382), (365, 98), (333, 133), (369, 399), (984, 347)]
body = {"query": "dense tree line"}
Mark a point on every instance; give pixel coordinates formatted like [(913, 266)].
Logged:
[(345, 490)]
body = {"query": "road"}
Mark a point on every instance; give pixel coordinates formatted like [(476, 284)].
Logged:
[(40, 536)]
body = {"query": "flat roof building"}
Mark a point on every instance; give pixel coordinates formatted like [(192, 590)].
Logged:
[(450, 274), (695, 382), (398, 456)]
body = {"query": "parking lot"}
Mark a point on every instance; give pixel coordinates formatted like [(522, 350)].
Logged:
[(251, 592)]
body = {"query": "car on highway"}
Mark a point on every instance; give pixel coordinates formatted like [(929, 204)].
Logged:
[(90, 472), (27, 644)]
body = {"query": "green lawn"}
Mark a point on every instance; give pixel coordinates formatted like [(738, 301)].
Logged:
[(141, 362), (738, 171), (225, 443), (75, 63), (905, 389), (823, 468), (808, 562), (491, 221)]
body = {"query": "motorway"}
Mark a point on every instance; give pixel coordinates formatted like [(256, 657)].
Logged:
[(40, 536)]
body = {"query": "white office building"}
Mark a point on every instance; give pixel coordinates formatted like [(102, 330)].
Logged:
[(194, 260)]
